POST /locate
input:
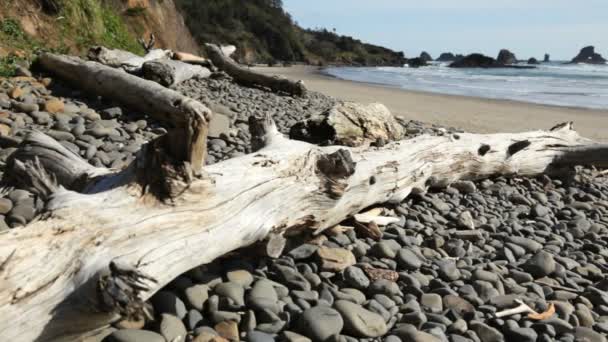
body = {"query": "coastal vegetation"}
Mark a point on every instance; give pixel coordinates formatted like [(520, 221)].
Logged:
[(265, 33)]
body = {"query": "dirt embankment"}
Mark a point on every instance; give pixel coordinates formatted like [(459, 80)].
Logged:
[(73, 25)]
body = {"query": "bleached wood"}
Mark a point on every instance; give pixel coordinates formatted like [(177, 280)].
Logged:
[(186, 141), (125, 60), (248, 77), (49, 269), (168, 72)]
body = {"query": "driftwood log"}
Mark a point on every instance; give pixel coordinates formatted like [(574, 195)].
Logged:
[(170, 72), (128, 61), (247, 77), (109, 239)]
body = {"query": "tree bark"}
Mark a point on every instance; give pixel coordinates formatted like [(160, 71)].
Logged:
[(105, 249), (248, 77)]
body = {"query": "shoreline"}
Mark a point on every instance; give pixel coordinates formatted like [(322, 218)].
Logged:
[(483, 115), (320, 72)]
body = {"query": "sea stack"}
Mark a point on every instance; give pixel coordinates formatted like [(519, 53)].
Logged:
[(588, 56), (506, 57), (547, 58), (475, 60), (533, 60), (446, 57), (416, 62), (425, 56)]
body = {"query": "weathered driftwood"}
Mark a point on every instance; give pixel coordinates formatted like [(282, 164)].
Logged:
[(123, 59), (248, 77), (186, 141), (193, 59), (349, 124), (102, 251), (170, 72)]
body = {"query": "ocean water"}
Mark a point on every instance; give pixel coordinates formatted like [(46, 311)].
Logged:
[(572, 85)]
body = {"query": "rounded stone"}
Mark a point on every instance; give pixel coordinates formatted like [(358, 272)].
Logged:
[(355, 277), (135, 335), (540, 265), (408, 259), (320, 322), (172, 328), (168, 302), (360, 322), (196, 296)]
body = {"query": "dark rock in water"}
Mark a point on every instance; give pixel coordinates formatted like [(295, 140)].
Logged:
[(533, 60), (446, 57), (425, 56), (506, 57), (547, 58), (475, 60), (416, 62), (589, 56)]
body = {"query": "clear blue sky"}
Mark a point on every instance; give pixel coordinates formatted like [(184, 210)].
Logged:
[(526, 27)]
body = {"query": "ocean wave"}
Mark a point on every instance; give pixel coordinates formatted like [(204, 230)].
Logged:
[(554, 84)]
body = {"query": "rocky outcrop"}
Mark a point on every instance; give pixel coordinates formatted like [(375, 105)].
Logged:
[(475, 60), (533, 60), (446, 57), (425, 56), (506, 57), (547, 58), (416, 62), (588, 56)]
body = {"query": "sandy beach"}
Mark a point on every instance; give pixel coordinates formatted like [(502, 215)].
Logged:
[(470, 113)]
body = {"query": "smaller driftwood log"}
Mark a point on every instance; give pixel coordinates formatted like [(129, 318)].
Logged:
[(248, 77)]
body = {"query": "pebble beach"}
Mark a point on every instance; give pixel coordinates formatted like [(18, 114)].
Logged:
[(450, 262)]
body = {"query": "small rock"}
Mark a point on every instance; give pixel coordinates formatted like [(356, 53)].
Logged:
[(432, 302), (408, 259), (304, 251), (172, 328), (588, 335), (135, 335), (335, 259), (485, 332), (228, 330), (196, 296), (409, 333), (355, 277), (168, 302), (359, 321), (320, 322), (540, 265), (258, 336), (290, 336), (232, 290), (241, 277), (54, 105), (465, 220), (5, 206)]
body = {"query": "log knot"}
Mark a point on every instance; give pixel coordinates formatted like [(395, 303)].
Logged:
[(119, 291), (333, 169)]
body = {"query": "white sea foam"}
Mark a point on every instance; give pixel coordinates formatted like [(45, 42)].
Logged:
[(558, 84)]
